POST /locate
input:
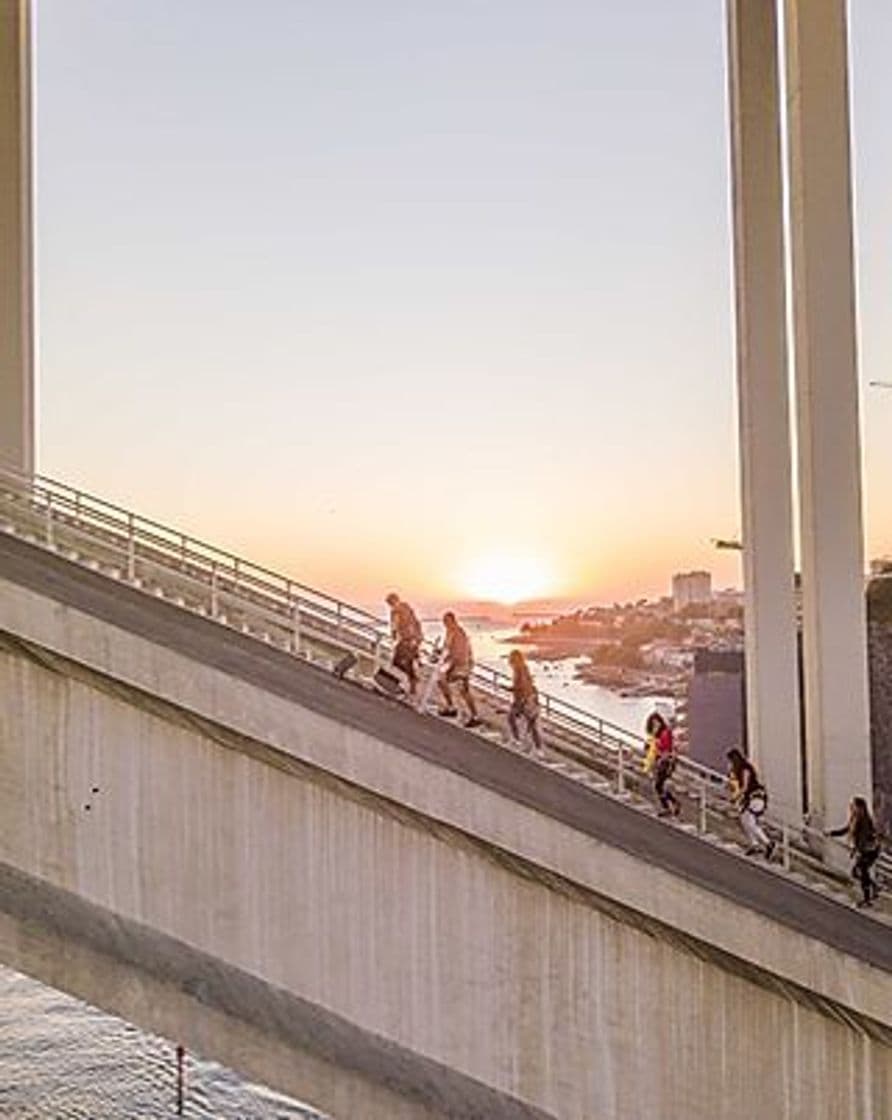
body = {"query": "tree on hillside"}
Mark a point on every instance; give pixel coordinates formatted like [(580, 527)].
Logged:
[(879, 600)]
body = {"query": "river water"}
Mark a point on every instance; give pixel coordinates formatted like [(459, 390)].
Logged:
[(491, 647), (63, 1060)]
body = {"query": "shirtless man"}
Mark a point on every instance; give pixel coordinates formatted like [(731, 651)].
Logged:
[(406, 632), (457, 670)]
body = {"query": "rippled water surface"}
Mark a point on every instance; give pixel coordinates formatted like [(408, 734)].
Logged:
[(60, 1059)]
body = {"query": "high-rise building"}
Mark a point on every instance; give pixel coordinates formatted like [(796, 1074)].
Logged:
[(691, 587)]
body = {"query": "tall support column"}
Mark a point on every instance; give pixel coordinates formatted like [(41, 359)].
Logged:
[(763, 402), (16, 267), (834, 621)]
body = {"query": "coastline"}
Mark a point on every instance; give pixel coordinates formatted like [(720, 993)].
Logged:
[(624, 681)]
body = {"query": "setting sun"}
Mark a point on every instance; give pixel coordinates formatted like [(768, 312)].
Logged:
[(508, 578)]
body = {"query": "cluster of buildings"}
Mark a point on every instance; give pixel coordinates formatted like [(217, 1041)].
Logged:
[(651, 641), (687, 646), (690, 589)]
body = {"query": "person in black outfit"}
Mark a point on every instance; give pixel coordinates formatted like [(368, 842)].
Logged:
[(865, 841), (665, 758), (751, 799)]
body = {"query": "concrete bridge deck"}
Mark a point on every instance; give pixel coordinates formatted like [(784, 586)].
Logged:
[(380, 912), (311, 625), (450, 747)]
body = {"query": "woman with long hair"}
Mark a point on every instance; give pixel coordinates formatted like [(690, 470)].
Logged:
[(865, 842), (659, 733), (751, 799), (525, 703)]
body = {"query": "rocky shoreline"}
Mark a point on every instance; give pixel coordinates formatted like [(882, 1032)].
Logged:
[(625, 681), (634, 682)]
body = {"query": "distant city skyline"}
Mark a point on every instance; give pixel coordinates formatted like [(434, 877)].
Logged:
[(408, 296)]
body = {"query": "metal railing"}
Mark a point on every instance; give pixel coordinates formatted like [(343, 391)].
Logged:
[(310, 623)]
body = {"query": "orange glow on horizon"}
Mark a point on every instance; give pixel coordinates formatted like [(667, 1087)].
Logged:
[(508, 578)]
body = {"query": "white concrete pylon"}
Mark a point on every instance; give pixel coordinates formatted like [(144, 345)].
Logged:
[(834, 621), (772, 702), (16, 240)]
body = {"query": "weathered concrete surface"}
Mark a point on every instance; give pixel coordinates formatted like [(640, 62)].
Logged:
[(16, 240), (176, 990), (828, 429), (306, 837), (880, 661), (763, 412)]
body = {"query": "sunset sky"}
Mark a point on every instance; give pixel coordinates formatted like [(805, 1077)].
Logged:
[(416, 295)]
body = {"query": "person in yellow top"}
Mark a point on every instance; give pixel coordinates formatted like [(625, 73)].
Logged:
[(660, 759)]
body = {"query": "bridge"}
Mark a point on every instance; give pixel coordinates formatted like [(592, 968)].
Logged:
[(207, 832)]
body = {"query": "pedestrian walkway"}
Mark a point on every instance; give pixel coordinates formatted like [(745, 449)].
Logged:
[(276, 610)]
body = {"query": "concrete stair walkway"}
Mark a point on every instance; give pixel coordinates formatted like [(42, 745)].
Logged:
[(315, 627)]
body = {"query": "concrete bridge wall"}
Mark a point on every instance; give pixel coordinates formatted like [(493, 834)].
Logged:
[(372, 931)]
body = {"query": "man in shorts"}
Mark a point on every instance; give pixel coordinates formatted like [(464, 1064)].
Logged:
[(406, 632), (457, 666)]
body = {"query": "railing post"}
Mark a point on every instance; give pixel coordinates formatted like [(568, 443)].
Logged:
[(215, 591), (295, 628), (376, 655), (621, 769), (701, 818), (49, 520), (181, 1080), (131, 549), (183, 551), (340, 615), (785, 847)]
